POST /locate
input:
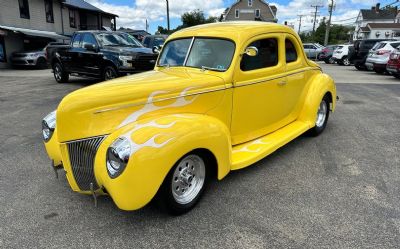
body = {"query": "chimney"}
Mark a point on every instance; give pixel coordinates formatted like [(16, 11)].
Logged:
[(373, 8), (378, 5)]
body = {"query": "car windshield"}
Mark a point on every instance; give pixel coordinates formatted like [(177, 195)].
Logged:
[(206, 53), (117, 39)]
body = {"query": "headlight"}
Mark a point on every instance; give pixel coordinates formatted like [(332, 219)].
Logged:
[(118, 156), (48, 126), (125, 59)]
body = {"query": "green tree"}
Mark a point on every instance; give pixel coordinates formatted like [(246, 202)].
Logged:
[(338, 34)]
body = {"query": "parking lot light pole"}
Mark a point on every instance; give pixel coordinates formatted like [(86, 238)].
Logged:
[(167, 14)]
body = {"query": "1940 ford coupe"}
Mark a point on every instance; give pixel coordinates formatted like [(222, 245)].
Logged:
[(221, 97)]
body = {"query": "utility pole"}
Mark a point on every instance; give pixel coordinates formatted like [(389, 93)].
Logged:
[(328, 26), (315, 14), (168, 14), (300, 17)]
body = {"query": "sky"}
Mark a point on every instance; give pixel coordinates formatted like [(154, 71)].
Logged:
[(133, 13)]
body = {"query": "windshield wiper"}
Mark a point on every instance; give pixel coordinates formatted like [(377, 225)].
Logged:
[(203, 68)]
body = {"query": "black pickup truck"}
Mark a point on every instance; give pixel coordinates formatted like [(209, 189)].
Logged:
[(100, 54)]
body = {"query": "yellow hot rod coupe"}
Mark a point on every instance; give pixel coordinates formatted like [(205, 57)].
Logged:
[(221, 97)]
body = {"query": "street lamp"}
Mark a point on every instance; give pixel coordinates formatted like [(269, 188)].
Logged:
[(167, 13)]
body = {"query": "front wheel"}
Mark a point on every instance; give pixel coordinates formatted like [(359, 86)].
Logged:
[(59, 74), (184, 184), (322, 117), (109, 73)]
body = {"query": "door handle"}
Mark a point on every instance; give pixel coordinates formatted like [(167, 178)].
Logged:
[(282, 83)]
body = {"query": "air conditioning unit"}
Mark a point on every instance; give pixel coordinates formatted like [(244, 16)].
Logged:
[(387, 33), (378, 33)]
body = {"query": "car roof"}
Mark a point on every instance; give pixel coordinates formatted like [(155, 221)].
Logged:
[(238, 31)]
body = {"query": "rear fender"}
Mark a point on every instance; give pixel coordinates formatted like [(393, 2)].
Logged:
[(320, 85)]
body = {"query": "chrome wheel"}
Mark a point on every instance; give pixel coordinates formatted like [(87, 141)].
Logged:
[(58, 72), (331, 60), (346, 62), (321, 114), (188, 179)]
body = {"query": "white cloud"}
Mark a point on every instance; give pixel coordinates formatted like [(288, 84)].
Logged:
[(155, 10)]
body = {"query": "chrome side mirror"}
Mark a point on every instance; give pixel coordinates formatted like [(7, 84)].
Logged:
[(251, 51), (157, 49)]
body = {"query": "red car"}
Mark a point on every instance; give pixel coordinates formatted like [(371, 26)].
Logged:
[(393, 65)]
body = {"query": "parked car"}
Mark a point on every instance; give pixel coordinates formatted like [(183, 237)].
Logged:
[(167, 132), (100, 54), (312, 50), (340, 54), (393, 65), (34, 58), (326, 54), (152, 41), (359, 54), (379, 56)]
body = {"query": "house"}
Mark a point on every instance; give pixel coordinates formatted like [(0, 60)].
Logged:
[(367, 17), (31, 24), (381, 30), (250, 10)]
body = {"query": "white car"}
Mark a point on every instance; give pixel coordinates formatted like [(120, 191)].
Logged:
[(378, 56), (340, 54)]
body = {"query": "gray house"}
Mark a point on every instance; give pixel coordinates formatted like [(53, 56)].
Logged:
[(250, 10), (31, 24)]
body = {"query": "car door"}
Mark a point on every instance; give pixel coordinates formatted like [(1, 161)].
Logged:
[(259, 105), (70, 58), (296, 78), (91, 59)]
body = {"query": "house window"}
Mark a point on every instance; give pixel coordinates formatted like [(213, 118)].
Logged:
[(257, 13), (24, 9), (48, 6), (236, 13), (250, 3), (72, 19)]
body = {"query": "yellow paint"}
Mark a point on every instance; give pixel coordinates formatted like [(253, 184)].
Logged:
[(240, 117)]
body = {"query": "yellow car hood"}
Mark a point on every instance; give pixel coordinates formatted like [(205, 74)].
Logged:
[(100, 109)]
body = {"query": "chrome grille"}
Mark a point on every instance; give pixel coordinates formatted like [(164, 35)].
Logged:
[(81, 155)]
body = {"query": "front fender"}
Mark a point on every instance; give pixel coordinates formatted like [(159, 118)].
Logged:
[(319, 85), (157, 144)]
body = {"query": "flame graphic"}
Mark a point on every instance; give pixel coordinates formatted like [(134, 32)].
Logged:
[(150, 142), (150, 107)]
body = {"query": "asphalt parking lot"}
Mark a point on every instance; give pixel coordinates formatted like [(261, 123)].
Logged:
[(338, 190)]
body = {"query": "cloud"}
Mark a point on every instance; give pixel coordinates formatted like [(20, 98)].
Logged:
[(155, 10)]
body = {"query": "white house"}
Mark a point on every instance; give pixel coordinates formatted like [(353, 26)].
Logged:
[(370, 16)]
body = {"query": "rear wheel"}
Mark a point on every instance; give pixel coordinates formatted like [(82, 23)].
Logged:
[(379, 70), (346, 61), (41, 63), (59, 74), (322, 117), (331, 60), (396, 75), (184, 184)]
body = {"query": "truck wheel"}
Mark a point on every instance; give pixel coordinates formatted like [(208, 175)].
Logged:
[(184, 184), (322, 117), (59, 74), (109, 73)]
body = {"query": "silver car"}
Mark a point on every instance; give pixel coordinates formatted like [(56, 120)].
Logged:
[(312, 50), (379, 55), (35, 58)]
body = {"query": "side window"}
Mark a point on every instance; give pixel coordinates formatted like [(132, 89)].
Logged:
[(236, 13), (267, 55), (88, 39), (291, 53), (306, 46), (146, 42), (76, 41)]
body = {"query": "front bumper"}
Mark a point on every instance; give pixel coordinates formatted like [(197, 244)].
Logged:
[(24, 61)]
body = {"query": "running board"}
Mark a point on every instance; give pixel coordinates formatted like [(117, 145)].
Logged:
[(246, 154)]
